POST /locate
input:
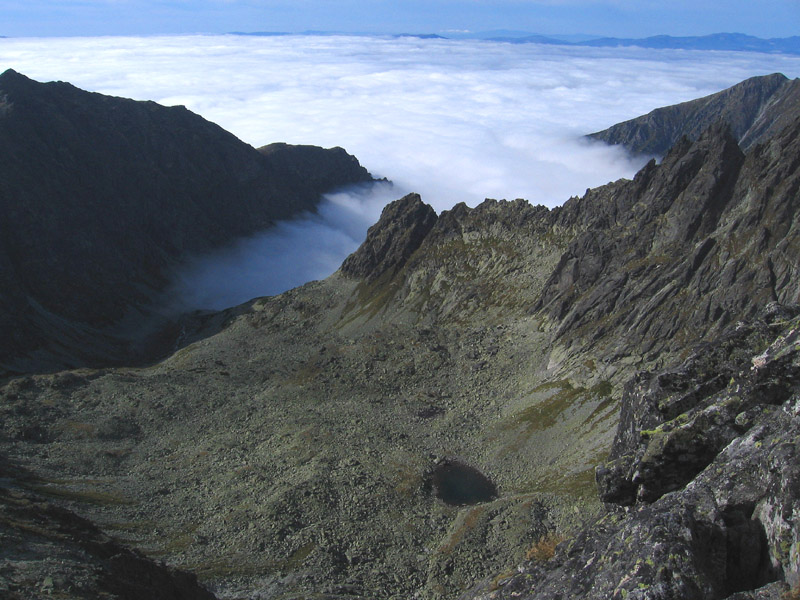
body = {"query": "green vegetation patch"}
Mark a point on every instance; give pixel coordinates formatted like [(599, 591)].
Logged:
[(94, 497), (299, 556), (547, 412)]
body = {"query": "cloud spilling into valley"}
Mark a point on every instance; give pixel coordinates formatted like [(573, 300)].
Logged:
[(453, 120), (294, 252)]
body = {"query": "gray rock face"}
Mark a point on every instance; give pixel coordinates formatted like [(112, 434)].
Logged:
[(712, 474), (755, 109), (392, 240), (100, 196), (702, 239), (674, 424)]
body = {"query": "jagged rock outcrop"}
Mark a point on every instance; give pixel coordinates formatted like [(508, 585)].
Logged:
[(674, 424), (100, 196), (755, 109), (472, 261), (708, 453), (706, 237), (392, 240)]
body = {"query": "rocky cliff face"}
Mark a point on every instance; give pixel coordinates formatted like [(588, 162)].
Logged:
[(701, 247), (706, 459), (705, 238), (640, 340), (755, 110), (99, 196), (392, 240)]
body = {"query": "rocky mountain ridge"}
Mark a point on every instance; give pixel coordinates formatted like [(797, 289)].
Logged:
[(755, 110), (297, 444), (100, 197)]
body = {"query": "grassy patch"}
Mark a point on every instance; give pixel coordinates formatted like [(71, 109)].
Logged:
[(299, 556), (230, 567), (580, 485), (371, 298), (94, 497), (501, 579), (407, 478), (130, 529), (181, 541), (547, 412), (544, 548), (80, 431), (305, 374), (604, 390)]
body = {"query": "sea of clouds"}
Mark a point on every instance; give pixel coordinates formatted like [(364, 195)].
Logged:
[(457, 121)]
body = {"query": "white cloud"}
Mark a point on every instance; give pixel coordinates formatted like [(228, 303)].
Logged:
[(453, 120), (292, 253)]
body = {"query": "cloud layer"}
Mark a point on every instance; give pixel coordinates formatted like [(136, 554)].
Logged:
[(453, 120)]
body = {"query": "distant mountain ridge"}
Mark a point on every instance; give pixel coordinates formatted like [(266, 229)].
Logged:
[(734, 42), (719, 41), (756, 109), (100, 196)]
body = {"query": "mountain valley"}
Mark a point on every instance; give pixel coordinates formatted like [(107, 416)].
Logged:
[(620, 374)]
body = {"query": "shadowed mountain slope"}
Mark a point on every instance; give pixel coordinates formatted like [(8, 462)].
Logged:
[(99, 196), (755, 109), (48, 551)]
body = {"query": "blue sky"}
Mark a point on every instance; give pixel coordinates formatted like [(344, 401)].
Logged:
[(620, 18)]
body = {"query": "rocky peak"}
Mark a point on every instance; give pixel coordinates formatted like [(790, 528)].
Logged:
[(400, 230), (10, 78), (702, 180)]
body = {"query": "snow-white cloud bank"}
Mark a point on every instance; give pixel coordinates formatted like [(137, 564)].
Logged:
[(453, 120)]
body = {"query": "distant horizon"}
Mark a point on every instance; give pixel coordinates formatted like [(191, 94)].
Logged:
[(720, 41), (492, 34), (772, 19)]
